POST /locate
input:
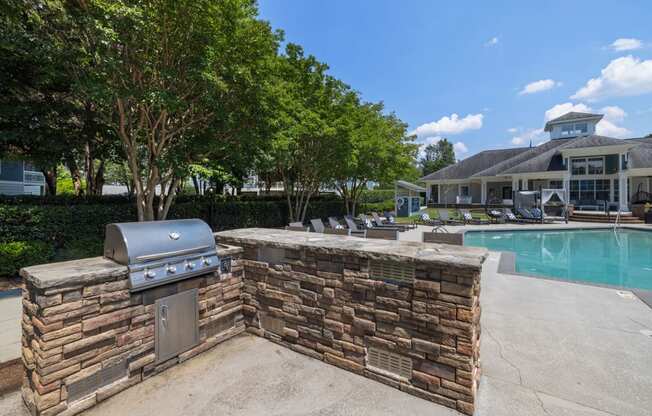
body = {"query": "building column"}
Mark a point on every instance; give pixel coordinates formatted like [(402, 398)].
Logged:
[(428, 192), (622, 193), (483, 192)]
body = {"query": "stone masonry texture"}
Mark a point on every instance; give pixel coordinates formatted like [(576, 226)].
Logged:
[(401, 313), (329, 303), (76, 331)]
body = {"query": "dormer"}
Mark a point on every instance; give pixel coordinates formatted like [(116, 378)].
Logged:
[(573, 124)]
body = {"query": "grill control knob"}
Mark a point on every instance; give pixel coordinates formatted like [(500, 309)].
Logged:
[(207, 262), (150, 274), (171, 269), (189, 265)]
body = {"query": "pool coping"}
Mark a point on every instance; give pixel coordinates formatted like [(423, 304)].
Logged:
[(507, 261)]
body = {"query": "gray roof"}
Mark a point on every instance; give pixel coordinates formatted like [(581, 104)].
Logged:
[(642, 156), (572, 116), (474, 164), (593, 141), (503, 166), (410, 186)]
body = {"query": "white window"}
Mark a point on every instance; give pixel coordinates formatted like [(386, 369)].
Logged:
[(581, 128), (567, 129), (578, 166), (596, 165)]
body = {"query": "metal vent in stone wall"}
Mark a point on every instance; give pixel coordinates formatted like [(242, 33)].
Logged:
[(392, 270), (389, 362), (102, 378), (272, 324)]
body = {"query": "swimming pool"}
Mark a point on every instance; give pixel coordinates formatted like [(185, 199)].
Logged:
[(600, 256)]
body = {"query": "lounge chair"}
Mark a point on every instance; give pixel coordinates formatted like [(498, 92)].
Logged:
[(496, 215), (379, 222), (510, 217), (468, 218), (391, 219), (353, 227), (317, 225), (527, 215), (368, 224), (446, 219), (335, 224), (424, 218)]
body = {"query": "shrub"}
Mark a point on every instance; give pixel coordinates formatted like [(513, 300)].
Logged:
[(73, 228), (17, 254)]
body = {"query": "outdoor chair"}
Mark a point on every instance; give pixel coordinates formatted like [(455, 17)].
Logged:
[(379, 222), (317, 225), (496, 215), (353, 227), (468, 218), (337, 231), (527, 216), (424, 218), (368, 223), (335, 224), (446, 219), (391, 219), (510, 217)]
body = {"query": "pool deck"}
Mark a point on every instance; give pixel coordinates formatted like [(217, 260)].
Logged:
[(547, 348)]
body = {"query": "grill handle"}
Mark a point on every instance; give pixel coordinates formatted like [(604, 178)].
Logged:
[(171, 253), (164, 316)]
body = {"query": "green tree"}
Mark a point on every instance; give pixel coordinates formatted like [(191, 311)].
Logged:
[(174, 79), (377, 149), (304, 144), (437, 156), (42, 117)]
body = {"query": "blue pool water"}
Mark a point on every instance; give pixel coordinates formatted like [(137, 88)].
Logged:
[(619, 258)]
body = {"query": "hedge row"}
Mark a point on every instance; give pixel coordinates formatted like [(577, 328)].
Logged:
[(44, 231)]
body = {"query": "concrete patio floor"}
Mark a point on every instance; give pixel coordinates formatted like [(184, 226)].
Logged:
[(548, 348)]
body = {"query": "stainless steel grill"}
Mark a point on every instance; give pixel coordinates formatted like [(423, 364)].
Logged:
[(159, 252)]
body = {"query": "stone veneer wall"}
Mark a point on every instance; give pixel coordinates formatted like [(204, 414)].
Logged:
[(86, 321), (323, 301)]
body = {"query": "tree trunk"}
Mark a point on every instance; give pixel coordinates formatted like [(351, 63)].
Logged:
[(75, 175), (50, 180), (195, 183)]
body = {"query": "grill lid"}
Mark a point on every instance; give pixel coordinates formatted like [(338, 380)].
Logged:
[(131, 243), (160, 252)]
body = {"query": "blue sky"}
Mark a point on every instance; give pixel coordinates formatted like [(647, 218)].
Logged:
[(461, 69)]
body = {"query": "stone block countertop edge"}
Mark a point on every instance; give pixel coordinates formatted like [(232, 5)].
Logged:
[(438, 254), (87, 271)]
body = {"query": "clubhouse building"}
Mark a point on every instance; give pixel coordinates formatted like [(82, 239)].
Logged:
[(598, 172)]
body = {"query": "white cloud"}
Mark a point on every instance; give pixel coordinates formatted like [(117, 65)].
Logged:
[(460, 148), (608, 126), (492, 42), (626, 44), (613, 113), (561, 109), (535, 136), (449, 125), (512, 130), (538, 86), (623, 76)]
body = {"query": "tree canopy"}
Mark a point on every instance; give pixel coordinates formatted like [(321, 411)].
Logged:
[(154, 92), (437, 156)]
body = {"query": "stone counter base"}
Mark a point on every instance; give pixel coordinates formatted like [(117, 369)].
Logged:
[(85, 343), (419, 334)]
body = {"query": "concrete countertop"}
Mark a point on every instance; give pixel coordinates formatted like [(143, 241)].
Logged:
[(439, 254), (86, 271)]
